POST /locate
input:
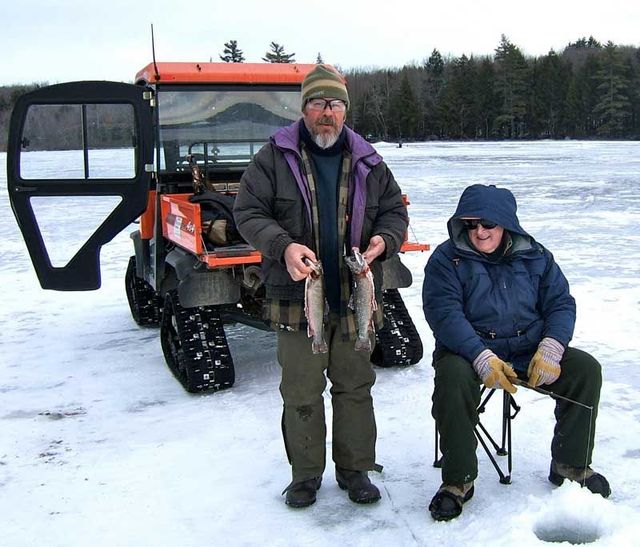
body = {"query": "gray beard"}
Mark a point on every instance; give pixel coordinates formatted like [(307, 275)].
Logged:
[(325, 140)]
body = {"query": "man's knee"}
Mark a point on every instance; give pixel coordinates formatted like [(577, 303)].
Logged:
[(580, 364), (454, 371)]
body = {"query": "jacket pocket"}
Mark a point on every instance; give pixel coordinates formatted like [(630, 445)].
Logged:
[(370, 216), (289, 214)]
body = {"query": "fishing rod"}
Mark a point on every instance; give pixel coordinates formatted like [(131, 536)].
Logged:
[(522, 383)]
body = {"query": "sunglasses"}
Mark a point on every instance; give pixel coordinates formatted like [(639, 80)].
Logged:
[(472, 224)]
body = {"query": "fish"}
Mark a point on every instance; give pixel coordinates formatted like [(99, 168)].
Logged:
[(363, 298), (315, 306)]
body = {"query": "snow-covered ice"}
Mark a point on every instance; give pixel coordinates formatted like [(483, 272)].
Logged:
[(99, 445)]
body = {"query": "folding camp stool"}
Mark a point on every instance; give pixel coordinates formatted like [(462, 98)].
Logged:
[(510, 410)]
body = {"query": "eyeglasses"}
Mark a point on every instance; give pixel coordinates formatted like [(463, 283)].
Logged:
[(321, 104), (472, 224)]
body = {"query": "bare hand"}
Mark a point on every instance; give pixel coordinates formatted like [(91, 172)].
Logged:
[(376, 247), (294, 256)]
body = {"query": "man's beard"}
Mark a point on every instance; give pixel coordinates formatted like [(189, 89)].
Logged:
[(326, 140)]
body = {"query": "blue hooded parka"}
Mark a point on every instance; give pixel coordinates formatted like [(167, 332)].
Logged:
[(473, 302)]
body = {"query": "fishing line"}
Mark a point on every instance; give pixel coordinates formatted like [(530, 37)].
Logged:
[(561, 397)]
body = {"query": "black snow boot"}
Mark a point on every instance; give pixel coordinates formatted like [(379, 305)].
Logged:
[(586, 476), (449, 499), (358, 485), (302, 493)]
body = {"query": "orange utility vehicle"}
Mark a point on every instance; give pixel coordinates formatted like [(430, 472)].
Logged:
[(159, 150)]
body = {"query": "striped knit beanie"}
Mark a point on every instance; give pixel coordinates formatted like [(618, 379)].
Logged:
[(322, 82)]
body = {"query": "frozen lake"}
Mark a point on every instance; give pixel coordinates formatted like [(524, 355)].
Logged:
[(101, 446)]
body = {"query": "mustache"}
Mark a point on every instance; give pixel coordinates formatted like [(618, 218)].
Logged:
[(326, 120)]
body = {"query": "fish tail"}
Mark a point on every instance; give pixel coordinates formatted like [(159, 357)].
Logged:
[(319, 346), (363, 344)]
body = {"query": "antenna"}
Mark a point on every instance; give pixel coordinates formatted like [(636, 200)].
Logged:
[(153, 54)]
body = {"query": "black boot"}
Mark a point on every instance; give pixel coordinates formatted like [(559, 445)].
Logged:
[(585, 476), (448, 501), (302, 493), (357, 483)]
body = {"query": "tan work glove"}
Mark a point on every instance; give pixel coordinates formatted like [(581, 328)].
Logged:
[(494, 372), (544, 367)]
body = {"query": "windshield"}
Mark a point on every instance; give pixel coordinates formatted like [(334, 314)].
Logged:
[(221, 129)]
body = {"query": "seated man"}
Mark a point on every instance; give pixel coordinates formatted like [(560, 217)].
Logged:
[(500, 311)]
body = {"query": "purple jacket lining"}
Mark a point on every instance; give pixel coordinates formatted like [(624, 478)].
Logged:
[(287, 140)]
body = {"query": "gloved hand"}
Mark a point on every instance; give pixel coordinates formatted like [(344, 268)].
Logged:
[(494, 372), (544, 367)]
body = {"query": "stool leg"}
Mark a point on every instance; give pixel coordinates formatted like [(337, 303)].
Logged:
[(505, 449), (437, 459)]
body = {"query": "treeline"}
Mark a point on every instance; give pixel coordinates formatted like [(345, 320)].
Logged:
[(586, 91), (589, 90), (8, 96)]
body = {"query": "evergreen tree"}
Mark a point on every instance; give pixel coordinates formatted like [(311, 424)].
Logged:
[(278, 55), (456, 99), (319, 60), (435, 64), (634, 92), (403, 110), (232, 53), (550, 83), (511, 84), (584, 43), (433, 83), (484, 98), (613, 107)]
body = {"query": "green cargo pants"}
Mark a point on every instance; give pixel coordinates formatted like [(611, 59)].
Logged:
[(457, 394), (303, 419)]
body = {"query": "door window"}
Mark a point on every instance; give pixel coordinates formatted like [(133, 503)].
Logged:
[(78, 141)]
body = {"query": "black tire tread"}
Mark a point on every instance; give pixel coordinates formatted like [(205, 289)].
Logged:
[(398, 342), (195, 346), (144, 302)]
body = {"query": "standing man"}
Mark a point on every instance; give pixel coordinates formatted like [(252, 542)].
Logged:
[(315, 191), (500, 310)]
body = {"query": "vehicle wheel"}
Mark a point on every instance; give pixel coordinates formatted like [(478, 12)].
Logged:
[(195, 346), (398, 342)]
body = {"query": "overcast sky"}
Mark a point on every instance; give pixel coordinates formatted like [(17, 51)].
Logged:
[(64, 40)]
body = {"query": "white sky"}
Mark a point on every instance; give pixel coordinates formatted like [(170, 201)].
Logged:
[(64, 40)]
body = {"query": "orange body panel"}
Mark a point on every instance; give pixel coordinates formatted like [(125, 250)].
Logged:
[(215, 260), (409, 247), (224, 73), (181, 224)]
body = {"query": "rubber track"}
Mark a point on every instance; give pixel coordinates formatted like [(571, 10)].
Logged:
[(144, 302), (200, 359), (398, 342)]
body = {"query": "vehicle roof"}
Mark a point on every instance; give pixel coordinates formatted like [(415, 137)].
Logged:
[(223, 73)]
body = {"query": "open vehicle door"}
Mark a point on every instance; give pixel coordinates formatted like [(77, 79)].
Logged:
[(74, 146)]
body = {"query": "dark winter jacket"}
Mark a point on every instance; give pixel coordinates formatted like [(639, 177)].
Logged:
[(272, 208), (472, 302)]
